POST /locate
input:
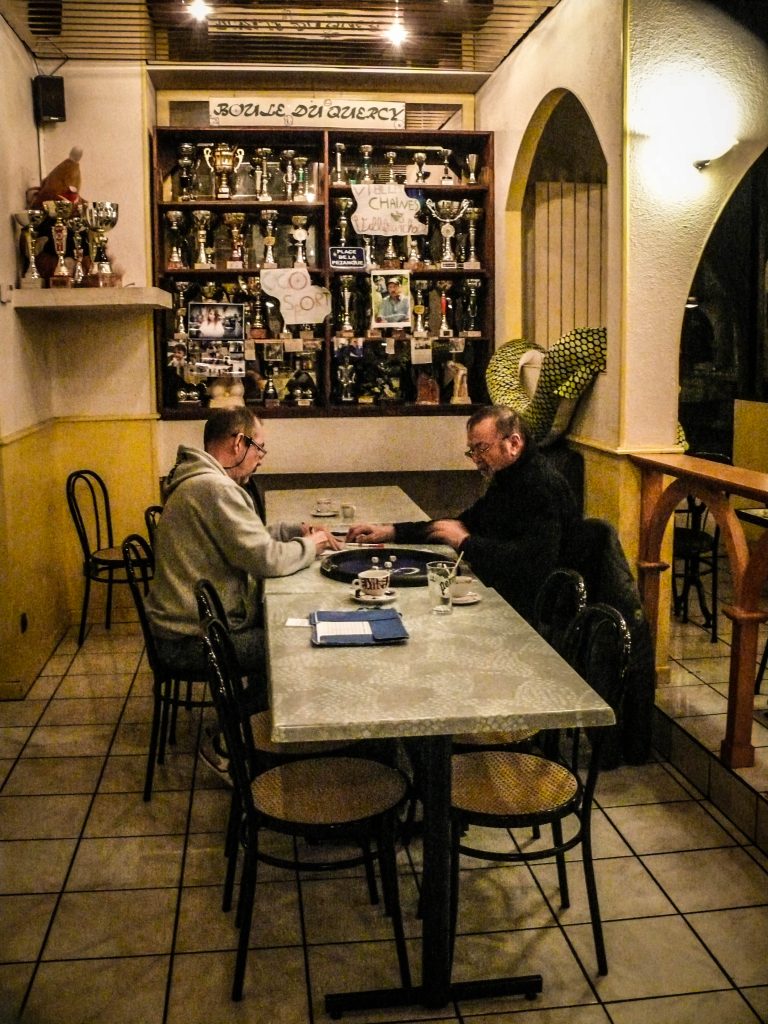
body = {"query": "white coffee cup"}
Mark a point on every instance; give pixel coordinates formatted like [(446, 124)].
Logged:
[(324, 505), (462, 586), (371, 583)]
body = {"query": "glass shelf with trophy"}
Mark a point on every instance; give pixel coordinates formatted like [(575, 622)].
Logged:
[(344, 273)]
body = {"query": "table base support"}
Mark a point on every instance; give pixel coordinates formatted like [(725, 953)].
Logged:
[(528, 985)]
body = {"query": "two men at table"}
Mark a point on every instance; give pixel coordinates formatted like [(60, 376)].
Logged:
[(210, 529), (516, 533)]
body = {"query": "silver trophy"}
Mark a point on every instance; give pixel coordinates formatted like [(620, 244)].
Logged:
[(420, 159), (180, 328), (346, 284), (472, 286), (201, 220), (339, 175), (262, 186), (471, 160), (343, 205), (390, 156), (289, 175), (202, 174), (175, 260), (29, 221), (235, 222), (447, 211), (420, 309), (185, 160), (258, 324), (61, 210), (368, 254), (268, 218), (444, 331), (300, 235), (300, 164), (472, 215), (447, 178), (78, 227), (366, 176), (101, 218)]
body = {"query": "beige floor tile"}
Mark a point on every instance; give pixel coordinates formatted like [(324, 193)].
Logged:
[(205, 863), (21, 712), (686, 701), (554, 1015), (121, 991), (652, 956), (83, 711), (499, 898), (710, 879), (638, 784), (624, 887), (104, 662), (699, 1008), (662, 828), (40, 775), (105, 684), (144, 862), (712, 669), (339, 910), (34, 865), (138, 708), (210, 810), (43, 687), (23, 922), (124, 773), (66, 740), (12, 740), (6, 767), (127, 814), (275, 988), (42, 817), (107, 924), (739, 939), (203, 925), (14, 980), (758, 998), (57, 665)]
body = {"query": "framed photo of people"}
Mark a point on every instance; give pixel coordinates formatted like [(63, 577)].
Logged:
[(391, 299)]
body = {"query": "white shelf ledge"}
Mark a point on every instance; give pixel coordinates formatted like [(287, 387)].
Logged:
[(91, 298)]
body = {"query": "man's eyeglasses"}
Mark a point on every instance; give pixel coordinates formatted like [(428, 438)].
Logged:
[(250, 441), (476, 450)]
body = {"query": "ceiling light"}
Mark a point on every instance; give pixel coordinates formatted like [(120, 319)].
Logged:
[(397, 32), (199, 9)]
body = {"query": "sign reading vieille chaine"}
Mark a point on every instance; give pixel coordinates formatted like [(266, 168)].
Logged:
[(305, 113)]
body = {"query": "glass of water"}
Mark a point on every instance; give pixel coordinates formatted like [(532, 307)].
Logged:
[(439, 575)]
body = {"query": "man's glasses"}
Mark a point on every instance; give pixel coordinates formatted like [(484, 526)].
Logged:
[(476, 450), (250, 441)]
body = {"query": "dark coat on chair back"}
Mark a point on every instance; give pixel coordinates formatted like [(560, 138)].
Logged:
[(596, 552)]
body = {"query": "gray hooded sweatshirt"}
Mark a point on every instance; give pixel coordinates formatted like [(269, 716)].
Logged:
[(209, 528)]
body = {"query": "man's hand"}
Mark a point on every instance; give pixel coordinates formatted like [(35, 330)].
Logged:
[(371, 533), (322, 539), (448, 531)]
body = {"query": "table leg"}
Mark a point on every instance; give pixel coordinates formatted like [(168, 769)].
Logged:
[(436, 988)]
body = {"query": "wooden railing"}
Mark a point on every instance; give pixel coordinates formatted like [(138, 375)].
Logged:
[(712, 483)]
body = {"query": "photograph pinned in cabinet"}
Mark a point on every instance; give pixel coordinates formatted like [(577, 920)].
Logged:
[(216, 320), (391, 299)]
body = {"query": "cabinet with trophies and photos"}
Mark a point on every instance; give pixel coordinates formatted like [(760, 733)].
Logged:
[(323, 272)]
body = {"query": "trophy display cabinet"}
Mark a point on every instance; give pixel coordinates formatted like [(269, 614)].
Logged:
[(323, 273)]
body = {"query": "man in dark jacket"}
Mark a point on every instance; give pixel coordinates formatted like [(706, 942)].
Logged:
[(514, 534)]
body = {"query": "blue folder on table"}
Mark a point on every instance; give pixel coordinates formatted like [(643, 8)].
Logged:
[(361, 628)]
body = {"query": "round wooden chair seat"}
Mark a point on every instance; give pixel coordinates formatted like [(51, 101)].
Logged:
[(497, 738), (510, 784), (328, 791), (261, 727)]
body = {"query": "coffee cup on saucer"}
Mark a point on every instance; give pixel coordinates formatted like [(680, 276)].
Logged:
[(371, 583), (462, 587), (324, 506)]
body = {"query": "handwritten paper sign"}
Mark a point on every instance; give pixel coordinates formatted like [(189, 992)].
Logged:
[(386, 210), (305, 113), (301, 302)]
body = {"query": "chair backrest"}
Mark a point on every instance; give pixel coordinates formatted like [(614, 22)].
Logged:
[(696, 515), (88, 501), (560, 598), (597, 645), (138, 562), (152, 515), (209, 604)]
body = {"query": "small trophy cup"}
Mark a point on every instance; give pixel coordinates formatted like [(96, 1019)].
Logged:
[(346, 284), (344, 204), (368, 254), (472, 286), (180, 329), (420, 309), (101, 218), (202, 175), (226, 161), (268, 218), (390, 156), (202, 221), (471, 159), (262, 186), (447, 211), (447, 178), (61, 210), (413, 260), (258, 325), (390, 259), (175, 259), (339, 175), (78, 226), (299, 235), (366, 177), (420, 159), (289, 175), (300, 164), (235, 222), (29, 221), (472, 215), (185, 159), (444, 331)]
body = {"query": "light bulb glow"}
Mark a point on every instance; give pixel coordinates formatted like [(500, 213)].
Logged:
[(396, 33), (199, 9)]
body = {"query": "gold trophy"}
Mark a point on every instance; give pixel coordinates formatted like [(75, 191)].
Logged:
[(258, 326), (447, 211), (420, 309), (289, 176), (235, 222), (471, 160), (101, 218), (444, 331), (78, 227), (472, 215), (175, 259), (420, 159), (61, 210), (343, 205), (226, 161), (180, 329), (390, 259), (300, 165), (366, 177), (447, 178), (268, 218), (185, 160), (346, 285), (390, 156), (339, 175), (202, 221), (262, 182), (29, 221), (300, 235)]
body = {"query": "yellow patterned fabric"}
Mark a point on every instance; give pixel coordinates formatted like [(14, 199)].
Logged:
[(566, 371)]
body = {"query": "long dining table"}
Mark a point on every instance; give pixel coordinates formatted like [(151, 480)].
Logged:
[(480, 669)]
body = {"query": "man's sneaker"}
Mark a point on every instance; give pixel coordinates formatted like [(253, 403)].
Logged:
[(212, 755)]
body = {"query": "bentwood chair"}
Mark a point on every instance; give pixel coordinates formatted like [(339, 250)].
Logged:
[(88, 501), (323, 801), (152, 515), (171, 689), (512, 790)]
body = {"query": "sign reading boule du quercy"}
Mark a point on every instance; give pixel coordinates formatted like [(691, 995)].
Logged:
[(269, 112)]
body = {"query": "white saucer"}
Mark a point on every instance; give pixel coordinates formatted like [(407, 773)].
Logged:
[(331, 512), (470, 598), (388, 595)]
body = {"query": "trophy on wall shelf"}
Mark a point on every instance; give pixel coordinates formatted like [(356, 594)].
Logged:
[(262, 181), (300, 164), (343, 205), (390, 156), (447, 178), (471, 161), (101, 218), (235, 222), (300, 235), (346, 285), (472, 286), (390, 258), (444, 331), (420, 309), (29, 221), (175, 260), (339, 175), (180, 329), (420, 159), (472, 215), (366, 177), (78, 227), (201, 220), (258, 324), (226, 161), (447, 211), (185, 161), (60, 210), (268, 218), (203, 175), (289, 175)]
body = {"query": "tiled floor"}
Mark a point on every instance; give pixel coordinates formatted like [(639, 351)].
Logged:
[(109, 907)]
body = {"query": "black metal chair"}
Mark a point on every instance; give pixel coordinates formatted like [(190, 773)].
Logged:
[(171, 689), (509, 790), (152, 515), (322, 800), (88, 501)]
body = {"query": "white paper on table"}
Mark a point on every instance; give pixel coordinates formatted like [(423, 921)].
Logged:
[(326, 629)]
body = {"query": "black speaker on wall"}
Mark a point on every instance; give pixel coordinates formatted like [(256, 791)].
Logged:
[(44, 17), (48, 99)]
